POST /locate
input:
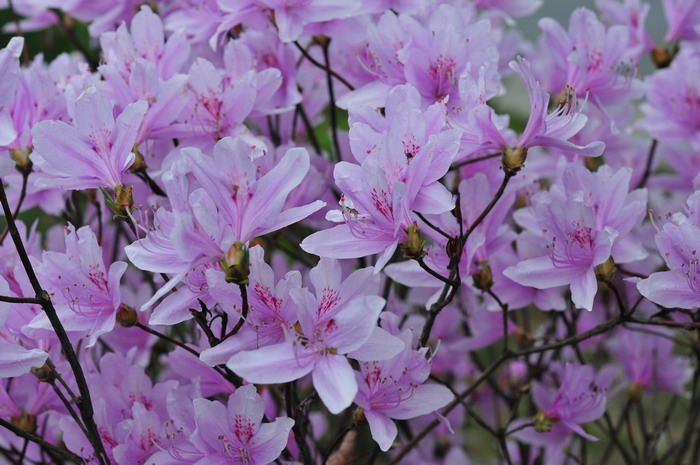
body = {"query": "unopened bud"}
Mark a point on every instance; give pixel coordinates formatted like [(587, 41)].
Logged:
[(122, 203), (521, 336), (321, 40), (127, 316), (237, 264), (44, 373), (25, 422), (454, 247), (661, 57), (542, 423), (635, 391), (606, 270), (358, 416), (21, 159), (139, 162), (413, 247), (513, 159), (593, 163), (483, 278)]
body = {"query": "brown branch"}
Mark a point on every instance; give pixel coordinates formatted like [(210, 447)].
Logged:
[(85, 405)]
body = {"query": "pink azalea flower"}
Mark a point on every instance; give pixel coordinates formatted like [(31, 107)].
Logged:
[(86, 295), (402, 160), (594, 59), (292, 15), (682, 17), (672, 107), (678, 242), (235, 203), (574, 245), (319, 346), (236, 434), (145, 40), (271, 311), (648, 360), (9, 74), (95, 151), (633, 14), (543, 129), (395, 389), (580, 398)]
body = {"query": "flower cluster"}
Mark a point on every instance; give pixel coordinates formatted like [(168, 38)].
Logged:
[(332, 232)]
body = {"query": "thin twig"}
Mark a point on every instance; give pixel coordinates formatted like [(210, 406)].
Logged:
[(167, 338), (475, 160), (41, 442), (317, 64), (85, 405), (650, 162), (331, 102)]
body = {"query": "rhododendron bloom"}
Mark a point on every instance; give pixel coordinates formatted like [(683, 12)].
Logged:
[(368, 209), (317, 346), (394, 389), (236, 433), (86, 293), (579, 399), (9, 72), (94, 152)]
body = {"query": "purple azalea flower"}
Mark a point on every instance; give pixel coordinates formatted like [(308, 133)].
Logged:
[(682, 17), (584, 223), (319, 345), (593, 59), (543, 129), (395, 389), (580, 398), (9, 75), (678, 242), (235, 203), (648, 360), (95, 151), (511, 7), (146, 41), (271, 311), (632, 14), (402, 160), (574, 245), (86, 295), (292, 15), (235, 433), (15, 360), (672, 107)]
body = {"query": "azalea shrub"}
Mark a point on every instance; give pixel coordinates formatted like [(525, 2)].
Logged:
[(349, 232)]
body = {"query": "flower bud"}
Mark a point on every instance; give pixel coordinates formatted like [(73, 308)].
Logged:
[(606, 270), (454, 247), (413, 247), (127, 316), (321, 40), (358, 416), (44, 373), (25, 422), (139, 162), (635, 391), (542, 423), (661, 57), (237, 264), (513, 159), (21, 159), (483, 278), (122, 201)]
